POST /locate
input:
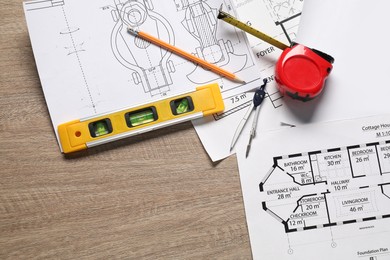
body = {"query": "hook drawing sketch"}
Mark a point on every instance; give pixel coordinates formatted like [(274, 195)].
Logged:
[(150, 66), (201, 23)]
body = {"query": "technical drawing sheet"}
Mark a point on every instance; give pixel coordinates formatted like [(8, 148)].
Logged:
[(279, 19), (353, 32), (320, 191), (89, 64)]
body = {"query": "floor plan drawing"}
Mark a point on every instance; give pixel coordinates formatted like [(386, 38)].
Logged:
[(329, 188), (285, 13), (280, 20), (320, 191), (231, 108), (285, 16)]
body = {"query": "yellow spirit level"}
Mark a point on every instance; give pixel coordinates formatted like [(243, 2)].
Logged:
[(92, 131)]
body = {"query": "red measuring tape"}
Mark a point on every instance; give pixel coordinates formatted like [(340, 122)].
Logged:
[(301, 71)]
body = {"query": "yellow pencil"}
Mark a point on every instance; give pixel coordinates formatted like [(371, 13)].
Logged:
[(184, 54)]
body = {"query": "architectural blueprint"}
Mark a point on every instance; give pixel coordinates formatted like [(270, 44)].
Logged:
[(357, 85), (319, 191), (89, 64), (279, 19)]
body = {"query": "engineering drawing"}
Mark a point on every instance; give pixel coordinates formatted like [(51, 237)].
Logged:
[(201, 22), (329, 188), (75, 47), (150, 66), (41, 4), (284, 12)]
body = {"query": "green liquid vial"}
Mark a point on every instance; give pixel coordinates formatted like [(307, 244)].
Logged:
[(141, 117), (182, 105), (99, 128)]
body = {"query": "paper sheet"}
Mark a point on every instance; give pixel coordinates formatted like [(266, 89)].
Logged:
[(319, 191), (355, 34), (280, 20), (88, 63)]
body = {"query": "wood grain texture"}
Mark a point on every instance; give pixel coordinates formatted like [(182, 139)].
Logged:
[(157, 195)]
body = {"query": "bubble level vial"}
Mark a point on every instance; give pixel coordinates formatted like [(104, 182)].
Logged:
[(92, 131)]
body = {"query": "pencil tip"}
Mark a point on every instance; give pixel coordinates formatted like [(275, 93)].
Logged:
[(131, 30), (240, 80), (247, 150)]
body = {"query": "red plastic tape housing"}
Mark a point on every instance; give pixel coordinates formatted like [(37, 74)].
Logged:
[(301, 72)]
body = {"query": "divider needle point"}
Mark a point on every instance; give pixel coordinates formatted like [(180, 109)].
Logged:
[(257, 100)]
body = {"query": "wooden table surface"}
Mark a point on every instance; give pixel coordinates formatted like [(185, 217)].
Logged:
[(153, 196)]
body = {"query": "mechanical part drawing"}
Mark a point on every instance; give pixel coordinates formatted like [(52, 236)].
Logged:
[(150, 66), (104, 68), (200, 21)]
